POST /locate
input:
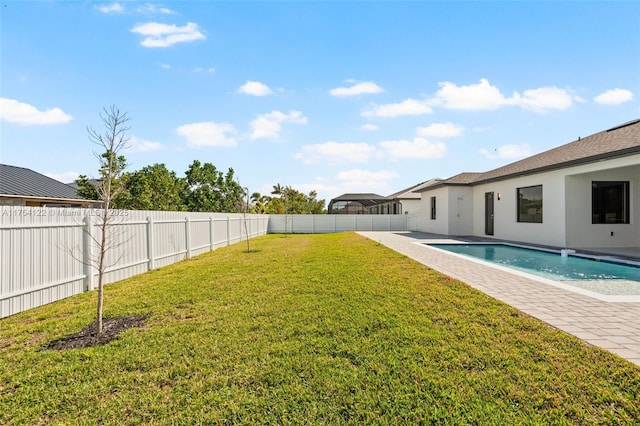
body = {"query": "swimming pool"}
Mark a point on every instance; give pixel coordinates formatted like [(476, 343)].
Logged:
[(603, 277)]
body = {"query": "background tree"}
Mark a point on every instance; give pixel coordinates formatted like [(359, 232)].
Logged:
[(87, 187), (259, 203), (292, 201), (92, 188), (112, 140), (155, 188), (209, 190), (315, 206)]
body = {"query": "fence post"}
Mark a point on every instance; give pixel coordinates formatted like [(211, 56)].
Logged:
[(87, 253), (389, 223), (211, 234), (187, 237), (228, 231), (151, 259)]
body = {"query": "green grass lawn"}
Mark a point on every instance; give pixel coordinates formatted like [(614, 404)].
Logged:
[(307, 329)]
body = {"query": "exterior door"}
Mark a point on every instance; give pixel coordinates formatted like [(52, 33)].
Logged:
[(488, 213)]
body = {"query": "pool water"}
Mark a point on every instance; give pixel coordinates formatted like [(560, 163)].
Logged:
[(601, 276)]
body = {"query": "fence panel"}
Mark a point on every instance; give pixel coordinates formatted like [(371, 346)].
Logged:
[(45, 252), (317, 224)]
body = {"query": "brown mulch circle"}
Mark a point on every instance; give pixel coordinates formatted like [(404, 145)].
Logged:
[(88, 336)]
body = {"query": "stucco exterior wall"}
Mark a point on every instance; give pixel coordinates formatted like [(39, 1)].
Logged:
[(411, 206), (566, 207), (441, 223), (461, 211), (580, 231), (506, 226)]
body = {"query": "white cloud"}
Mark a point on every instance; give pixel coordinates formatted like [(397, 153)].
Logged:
[(440, 130), (64, 177), (418, 148), (348, 181), (546, 98), (366, 87), (16, 112), (358, 179), (163, 35), (369, 127), (255, 88), (143, 145), (269, 126), (508, 152), (406, 107), (208, 134), (484, 96), (154, 9), (165, 66), (481, 96), (336, 153), (201, 69), (614, 97), (110, 8)]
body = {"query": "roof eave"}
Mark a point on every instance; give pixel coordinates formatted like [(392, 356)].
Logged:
[(593, 159), (52, 199)]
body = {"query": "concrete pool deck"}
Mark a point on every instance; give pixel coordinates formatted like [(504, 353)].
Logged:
[(614, 326)]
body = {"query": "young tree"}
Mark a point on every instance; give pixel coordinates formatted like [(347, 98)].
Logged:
[(245, 208), (112, 140), (90, 188)]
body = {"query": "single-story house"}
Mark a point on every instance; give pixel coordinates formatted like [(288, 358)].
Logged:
[(582, 194), (406, 201), (24, 187), (354, 203)]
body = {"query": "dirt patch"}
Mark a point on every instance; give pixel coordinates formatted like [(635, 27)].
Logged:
[(88, 336)]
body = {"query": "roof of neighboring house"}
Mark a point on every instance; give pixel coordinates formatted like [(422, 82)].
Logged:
[(618, 141), (358, 197), (363, 199), (19, 181), (412, 192), (75, 186)]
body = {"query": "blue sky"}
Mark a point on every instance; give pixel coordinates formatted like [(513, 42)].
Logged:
[(329, 96)]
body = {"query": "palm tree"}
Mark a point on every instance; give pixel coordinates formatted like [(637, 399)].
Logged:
[(277, 189), (259, 202)]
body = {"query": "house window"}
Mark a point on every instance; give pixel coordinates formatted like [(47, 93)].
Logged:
[(530, 204), (609, 202), (433, 208)]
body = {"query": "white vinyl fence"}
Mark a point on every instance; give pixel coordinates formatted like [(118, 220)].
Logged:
[(46, 253), (318, 224)]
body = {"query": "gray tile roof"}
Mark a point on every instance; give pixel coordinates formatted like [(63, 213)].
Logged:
[(21, 181)]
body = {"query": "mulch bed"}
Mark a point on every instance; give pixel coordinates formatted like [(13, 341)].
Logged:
[(88, 336)]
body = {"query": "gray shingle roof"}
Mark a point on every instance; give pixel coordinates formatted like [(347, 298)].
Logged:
[(20, 181), (412, 191), (358, 197), (618, 141)]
